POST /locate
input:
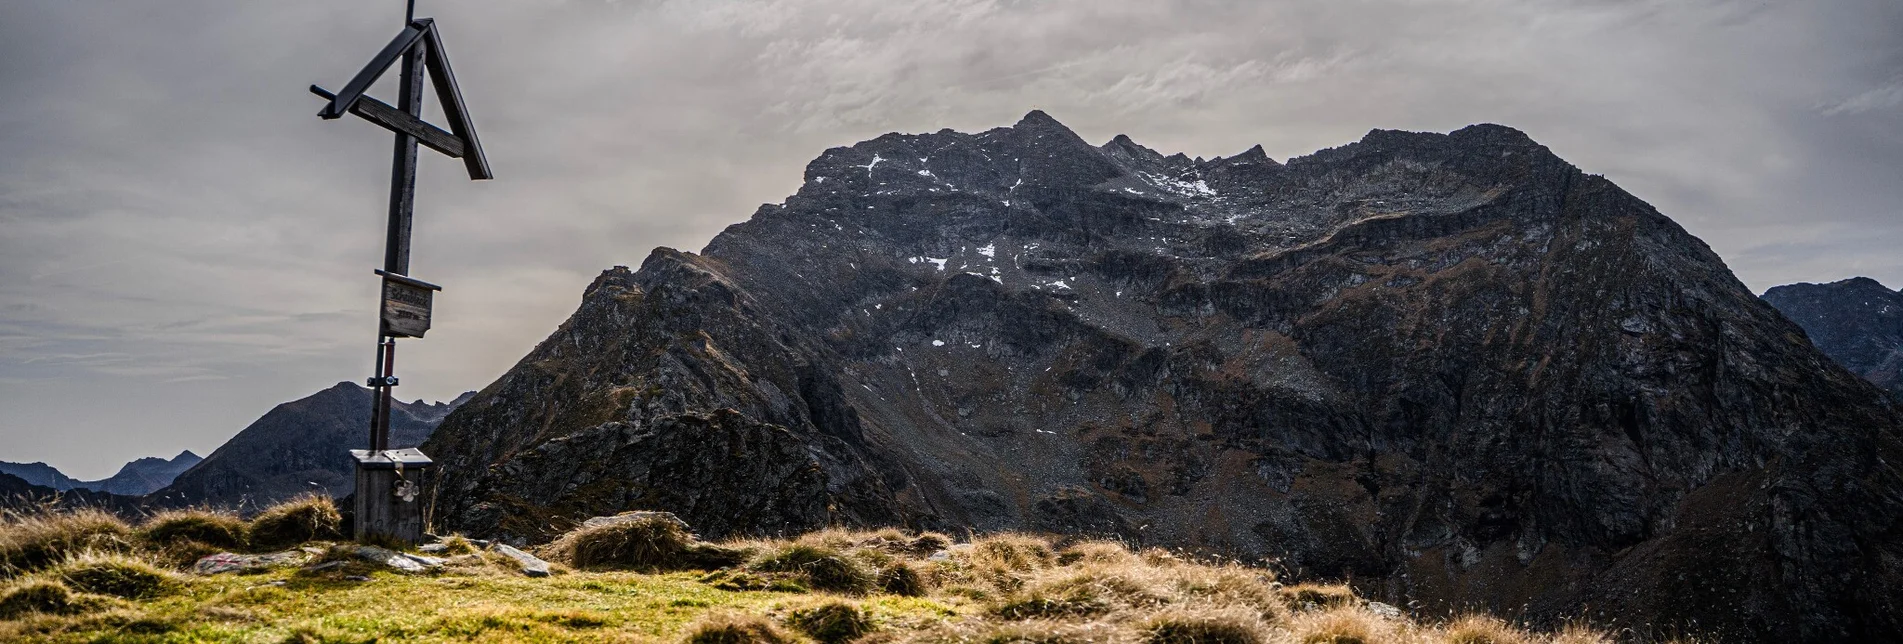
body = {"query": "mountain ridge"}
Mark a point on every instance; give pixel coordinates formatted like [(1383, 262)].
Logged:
[(137, 477), (1451, 367)]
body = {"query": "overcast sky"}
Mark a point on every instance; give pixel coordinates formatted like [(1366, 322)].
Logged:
[(183, 244)]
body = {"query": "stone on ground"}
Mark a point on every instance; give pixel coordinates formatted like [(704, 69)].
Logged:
[(531, 565), (224, 562)]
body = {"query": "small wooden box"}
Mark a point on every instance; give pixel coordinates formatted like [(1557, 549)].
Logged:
[(379, 503)]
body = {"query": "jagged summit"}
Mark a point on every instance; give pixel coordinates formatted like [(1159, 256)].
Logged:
[(1037, 119), (1451, 367)]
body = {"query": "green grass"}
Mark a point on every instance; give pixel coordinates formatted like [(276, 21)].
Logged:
[(457, 606), (576, 607), (831, 587)]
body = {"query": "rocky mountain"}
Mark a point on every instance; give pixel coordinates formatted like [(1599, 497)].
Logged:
[(298, 447), (136, 478), (1450, 367), (1858, 322)]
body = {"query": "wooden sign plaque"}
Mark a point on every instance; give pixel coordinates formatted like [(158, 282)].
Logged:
[(406, 305)]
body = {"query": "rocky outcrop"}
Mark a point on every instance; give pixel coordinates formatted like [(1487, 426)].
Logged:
[(1858, 322), (298, 447), (1451, 367)]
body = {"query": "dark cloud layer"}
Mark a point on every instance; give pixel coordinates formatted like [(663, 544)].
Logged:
[(183, 244)]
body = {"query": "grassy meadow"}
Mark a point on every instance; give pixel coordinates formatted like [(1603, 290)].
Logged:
[(85, 576)]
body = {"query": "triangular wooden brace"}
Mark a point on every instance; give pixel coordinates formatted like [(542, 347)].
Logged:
[(459, 142)]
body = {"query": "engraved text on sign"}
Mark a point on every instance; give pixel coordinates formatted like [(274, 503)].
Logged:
[(405, 309)]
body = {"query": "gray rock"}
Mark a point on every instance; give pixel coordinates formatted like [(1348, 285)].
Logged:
[(225, 562), (433, 547), (388, 558), (530, 564), (1386, 611), (634, 515), (427, 561)]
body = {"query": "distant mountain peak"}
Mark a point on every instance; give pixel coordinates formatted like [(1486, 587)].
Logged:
[(1858, 322), (299, 446), (1038, 119), (138, 477)]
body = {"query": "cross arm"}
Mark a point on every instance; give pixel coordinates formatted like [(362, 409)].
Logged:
[(400, 122)]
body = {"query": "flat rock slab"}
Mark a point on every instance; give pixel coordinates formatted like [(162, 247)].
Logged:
[(390, 558), (531, 565), (637, 515), (427, 561), (224, 562)]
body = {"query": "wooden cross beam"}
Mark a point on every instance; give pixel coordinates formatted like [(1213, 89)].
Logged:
[(401, 122), (459, 142)]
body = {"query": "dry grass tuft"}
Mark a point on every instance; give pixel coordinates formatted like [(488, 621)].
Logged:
[(1483, 629), (457, 544), (311, 517), (214, 529), (903, 579), (1096, 552), (1160, 558), (114, 574), (181, 554), (1233, 586), (887, 540), (1319, 596), (1024, 632), (36, 596), (648, 543), (736, 628), (1011, 552), (830, 622), (1082, 592), (927, 543), (1219, 626), (822, 568), (1577, 633), (1342, 625), (36, 540)]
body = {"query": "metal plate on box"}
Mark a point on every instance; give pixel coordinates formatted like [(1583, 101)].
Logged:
[(389, 459)]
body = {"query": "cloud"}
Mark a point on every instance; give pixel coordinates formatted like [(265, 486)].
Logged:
[(1883, 97)]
